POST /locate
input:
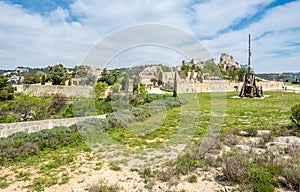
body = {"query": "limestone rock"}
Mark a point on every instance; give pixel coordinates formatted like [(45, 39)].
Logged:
[(261, 133), (243, 148), (258, 151), (289, 140), (243, 133), (228, 63), (254, 140)]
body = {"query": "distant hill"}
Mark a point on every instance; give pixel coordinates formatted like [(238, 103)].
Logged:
[(287, 77)]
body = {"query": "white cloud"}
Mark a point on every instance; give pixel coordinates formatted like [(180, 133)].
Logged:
[(277, 23), (213, 16)]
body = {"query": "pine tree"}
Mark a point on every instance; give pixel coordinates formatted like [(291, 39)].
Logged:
[(175, 86)]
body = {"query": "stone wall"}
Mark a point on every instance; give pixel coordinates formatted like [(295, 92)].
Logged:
[(34, 126), (187, 86), (67, 91)]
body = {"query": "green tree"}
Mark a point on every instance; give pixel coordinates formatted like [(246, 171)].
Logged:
[(100, 88), (89, 79), (32, 108), (296, 115), (80, 71), (115, 87), (175, 86), (153, 80), (241, 72), (212, 69), (69, 81), (6, 90), (109, 77), (159, 81), (232, 74), (31, 79), (136, 84), (142, 89), (185, 69), (43, 80), (57, 74)]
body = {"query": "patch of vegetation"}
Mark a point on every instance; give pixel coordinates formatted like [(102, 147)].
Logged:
[(103, 186), (192, 179), (23, 176), (146, 174), (19, 146), (114, 167), (235, 167), (3, 183), (291, 176), (39, 183), (167, 88), (296, 115)]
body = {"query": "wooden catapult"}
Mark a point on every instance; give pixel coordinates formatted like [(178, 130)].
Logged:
[(249, 88)]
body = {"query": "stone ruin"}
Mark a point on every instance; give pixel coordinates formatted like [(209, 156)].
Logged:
[(228, 63)]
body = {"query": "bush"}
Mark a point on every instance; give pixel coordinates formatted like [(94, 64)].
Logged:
[(292, 177), (102, 186), (263, 178), (187, 163), (296, 115), (235, 167), (166, 88), (20, 145), (192, 179)]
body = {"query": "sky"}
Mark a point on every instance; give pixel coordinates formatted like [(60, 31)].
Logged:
[(39, 33)]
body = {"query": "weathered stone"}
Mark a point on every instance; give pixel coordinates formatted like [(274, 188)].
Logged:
[(33, 126), (243, 148), (228, 63), (290, 140), (258, 151), (255, 140), (261, 133), (243, 133), (277, 148), (226, 148)]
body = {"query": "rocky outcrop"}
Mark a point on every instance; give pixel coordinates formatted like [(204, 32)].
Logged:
[(228, 63)]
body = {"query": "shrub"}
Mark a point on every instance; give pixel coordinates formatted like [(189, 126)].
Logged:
[(146, 174), (235, 167), (296, 115), (102, 186), (165, 174), (292, 177), (166, 88), (187, 163), (192, 179), (251, 131), (114, 167), (21, 145), (262, 179)]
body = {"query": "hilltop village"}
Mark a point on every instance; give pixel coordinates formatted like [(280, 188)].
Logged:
[(193, 76)]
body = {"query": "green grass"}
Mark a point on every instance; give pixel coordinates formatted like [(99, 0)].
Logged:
[(179, 125), (3, 182), (260, 113)]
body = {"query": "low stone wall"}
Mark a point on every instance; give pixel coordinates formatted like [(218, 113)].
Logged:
[(184, 86), (67, 91), (7, 129)]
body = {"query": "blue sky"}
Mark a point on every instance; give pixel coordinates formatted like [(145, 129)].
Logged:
[(46, 32)]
